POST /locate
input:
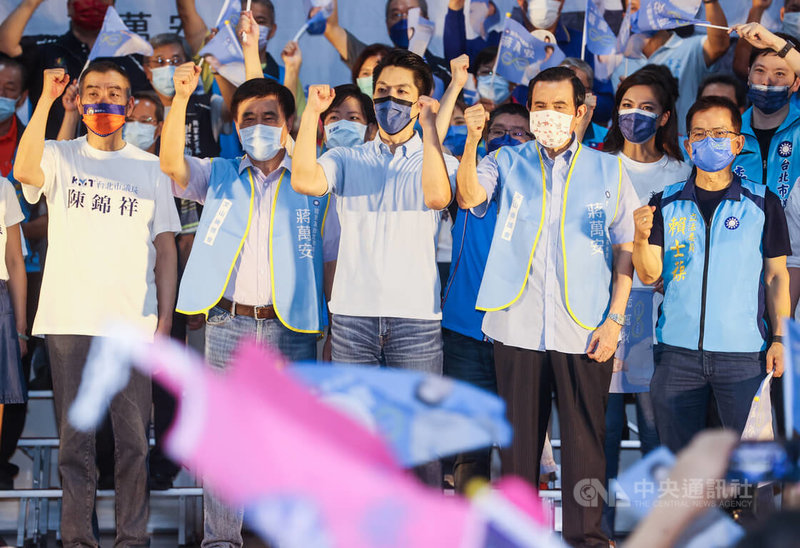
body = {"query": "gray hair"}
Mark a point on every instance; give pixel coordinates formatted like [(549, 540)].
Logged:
[(169, 38), (581, 65)]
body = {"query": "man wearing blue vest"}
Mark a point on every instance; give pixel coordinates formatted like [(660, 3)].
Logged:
[(771, 128), (255, 268), (555, 288), (719, 242)]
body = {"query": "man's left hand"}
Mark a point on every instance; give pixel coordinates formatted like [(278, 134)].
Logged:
[(428, 107), (775, 359), (604, 341)]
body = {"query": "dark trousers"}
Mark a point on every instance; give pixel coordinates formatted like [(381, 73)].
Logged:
[(683, 381), (525, 380), (130, 415), (472, 361)]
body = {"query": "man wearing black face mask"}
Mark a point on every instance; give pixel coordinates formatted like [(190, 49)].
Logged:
[(68, 51), (771, 128)]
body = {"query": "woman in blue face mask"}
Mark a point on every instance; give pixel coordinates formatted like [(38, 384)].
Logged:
[(644, 134), (350, 120)]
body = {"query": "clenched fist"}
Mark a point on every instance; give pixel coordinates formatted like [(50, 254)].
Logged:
[(185, 78), (458, 69), (476, 118), (643, 223), (54, 83), (320, 98), (428, 107)]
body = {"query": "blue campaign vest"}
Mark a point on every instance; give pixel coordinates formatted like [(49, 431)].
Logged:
[(472, 238), (728, 253), (295, 247), (590, 202), (783, 169)]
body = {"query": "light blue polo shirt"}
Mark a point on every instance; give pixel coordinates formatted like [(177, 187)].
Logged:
[(685, 59), (387, 248)]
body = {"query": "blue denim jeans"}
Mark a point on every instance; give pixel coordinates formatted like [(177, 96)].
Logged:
[(404, 343), (684, 379), (615, 424), (222, 525)]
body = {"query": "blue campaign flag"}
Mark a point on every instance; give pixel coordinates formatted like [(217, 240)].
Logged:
[(600, 39), (225, 54), (661, 14), (520, 56), (791, 376), (423, 417), (231, 11), (115, 40)]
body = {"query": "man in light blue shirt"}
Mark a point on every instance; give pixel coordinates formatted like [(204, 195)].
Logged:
[(689, 58), (389, 196), (555, 287)]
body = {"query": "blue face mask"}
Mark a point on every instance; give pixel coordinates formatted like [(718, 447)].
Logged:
[(455, 139), (139, 134), (344, 133), (398, 33), (7, 108), (494, 88), (261, 142), (791, 23), (393, 114), (504, 141), (162, 80), (712, 154), (768, 99), (637, 126)]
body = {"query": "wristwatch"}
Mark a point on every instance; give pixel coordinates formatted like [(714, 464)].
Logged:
[(785, 49), (617, 318)]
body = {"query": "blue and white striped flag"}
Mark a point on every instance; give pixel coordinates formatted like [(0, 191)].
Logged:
[(115, 40)]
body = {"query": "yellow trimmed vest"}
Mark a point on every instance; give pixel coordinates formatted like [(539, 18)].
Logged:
[(590, 202), (295, 247)]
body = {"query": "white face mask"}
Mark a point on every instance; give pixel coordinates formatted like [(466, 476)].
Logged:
[(139, 134), (543, 13), (552, 129), (263, 37)]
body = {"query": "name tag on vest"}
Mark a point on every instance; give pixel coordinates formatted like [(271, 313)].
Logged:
[(511, 219), (219, 218)]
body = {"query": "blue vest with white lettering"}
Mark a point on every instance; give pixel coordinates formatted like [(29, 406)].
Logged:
[(783, 168), (590, 202), (723, 260), (295, 247)]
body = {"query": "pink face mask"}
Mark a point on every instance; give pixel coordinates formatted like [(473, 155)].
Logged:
[(552, 129)]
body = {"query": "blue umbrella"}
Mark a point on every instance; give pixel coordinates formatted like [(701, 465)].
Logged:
[(423, 417)]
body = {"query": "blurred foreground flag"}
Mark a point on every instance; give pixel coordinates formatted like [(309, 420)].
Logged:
[(664, 14), (306, 474), (791, 377), (115, 40)]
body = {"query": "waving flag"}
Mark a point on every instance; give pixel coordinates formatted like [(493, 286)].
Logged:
[(115, 40), (230, 12), (662, 14), (791, 377), (224, 53), (420, 32), (600, 39), (520, 56), (269, 463), (759, 421)]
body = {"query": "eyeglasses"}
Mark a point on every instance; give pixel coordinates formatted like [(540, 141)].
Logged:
[(515, 133), (143, 120), (159, 61), (698, 134)]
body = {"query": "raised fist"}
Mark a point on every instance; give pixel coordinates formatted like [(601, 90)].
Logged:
[(185, 78), (643, 222), (320, 98), (54, 82), (476, 118)]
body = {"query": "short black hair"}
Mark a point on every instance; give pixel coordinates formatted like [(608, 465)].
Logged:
[(147, 95), (423, 78), (344, 92), (10, 61), (266, 3), (485, 56), (263, 87), (559, 74), (423, 8), (758, 52), (515, 109), (707, 103), (726, 79), (373, 49), (104, 67)]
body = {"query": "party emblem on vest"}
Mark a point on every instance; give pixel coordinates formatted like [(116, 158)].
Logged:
[(785, 149), (731, 223)]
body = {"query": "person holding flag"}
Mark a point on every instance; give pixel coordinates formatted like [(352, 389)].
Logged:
[(69, 50), (554, 293), (771, 128), (671, 42)]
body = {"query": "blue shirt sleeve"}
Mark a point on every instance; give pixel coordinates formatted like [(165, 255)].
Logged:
[(454, 35)]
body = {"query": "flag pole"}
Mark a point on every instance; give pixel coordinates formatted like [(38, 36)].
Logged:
[(710, 26), (583, 40), (244, 36), (300, 32)]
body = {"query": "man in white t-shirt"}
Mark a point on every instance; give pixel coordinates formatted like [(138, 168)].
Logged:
[(111, 258)]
